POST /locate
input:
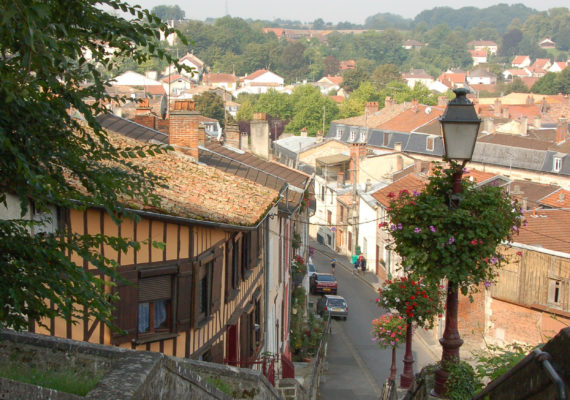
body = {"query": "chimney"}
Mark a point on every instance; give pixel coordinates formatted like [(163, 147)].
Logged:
[(368, 185), (530, 99), (144, 115), (371, 107), (388, 101), (489, 125), (537, 122), (399, 163), (398, 146), (340, 179), (561, 130), (498, 111), (260, 139), (442, 101), (244, 141), (357, 152), (232, 136), (506, 113), (544, 106), (525, 203), (524, 125), (304, 132), (184, 131), (417, 166)]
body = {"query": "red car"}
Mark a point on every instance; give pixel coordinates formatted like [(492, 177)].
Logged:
[(323, 283)]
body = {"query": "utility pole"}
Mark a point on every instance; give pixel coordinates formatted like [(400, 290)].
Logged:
[(324, 118)]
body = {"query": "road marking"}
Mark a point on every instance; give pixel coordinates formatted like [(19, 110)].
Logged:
[(340, 329)]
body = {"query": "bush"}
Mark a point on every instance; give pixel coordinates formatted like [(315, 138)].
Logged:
[(462, 382)]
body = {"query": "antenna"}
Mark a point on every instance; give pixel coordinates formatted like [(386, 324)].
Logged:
[(227, 13)]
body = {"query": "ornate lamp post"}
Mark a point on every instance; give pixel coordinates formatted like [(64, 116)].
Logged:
[(459, 125)]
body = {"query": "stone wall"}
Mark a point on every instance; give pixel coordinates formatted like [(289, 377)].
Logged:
[(133, 375)]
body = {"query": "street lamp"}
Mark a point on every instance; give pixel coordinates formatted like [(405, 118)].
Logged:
[(459, 126)]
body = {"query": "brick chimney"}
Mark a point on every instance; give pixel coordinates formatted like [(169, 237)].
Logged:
[(561, 130), (442, 101), (357, 152), (498, 111), (185, 132), (399, 163), (304, 132), (144, 115), (232, 135), (371, 107), (340, 178), (388, 101)]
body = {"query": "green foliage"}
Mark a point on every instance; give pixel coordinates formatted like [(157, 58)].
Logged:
[(356, 103), (384, 74), (553, 83), (48, 158), (438, 239), (461, 382), (298, 266), (494, 361), (415, 300), (245, 112), (275, 104), (309, 107), (167, 13), (389, 330), (220, 384), (72, 380), (211, 105)]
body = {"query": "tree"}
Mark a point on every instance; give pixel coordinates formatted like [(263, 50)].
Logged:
[(245, 112), (308, 106), (356, 103), (211, 105), (352, 78), (510, 42), (385, 73), (167, 13), (50, 159), (331, 65), (518, 86), (275, 104), (545, 85)]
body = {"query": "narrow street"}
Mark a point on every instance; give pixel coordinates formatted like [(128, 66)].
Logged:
[(356, 367)]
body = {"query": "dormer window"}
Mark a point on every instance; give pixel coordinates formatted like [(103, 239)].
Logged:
[(339, 132), (363, 137), (352, 135), (557, 164), (430, 143)]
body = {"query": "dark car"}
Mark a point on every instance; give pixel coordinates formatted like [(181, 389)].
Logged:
[(336, 306), (323, 283)]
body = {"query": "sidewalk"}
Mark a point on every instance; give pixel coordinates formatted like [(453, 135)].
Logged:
[(372, 280)]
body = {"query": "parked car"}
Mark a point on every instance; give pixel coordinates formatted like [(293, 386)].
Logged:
[(334, 305), (323, 283), (312, 270)]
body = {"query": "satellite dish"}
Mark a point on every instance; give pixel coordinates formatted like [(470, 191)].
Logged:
[(428, 110)]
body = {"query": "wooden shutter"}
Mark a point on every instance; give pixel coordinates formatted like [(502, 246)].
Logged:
[(253, 249), (238, 251), (217, 278), (184, 296), (229, 268), (200, 271), (126, 308)]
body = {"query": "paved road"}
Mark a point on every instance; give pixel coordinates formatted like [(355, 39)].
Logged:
[(356, 367)]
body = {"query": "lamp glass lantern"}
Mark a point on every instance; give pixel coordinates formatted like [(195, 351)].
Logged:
[(459, 126)]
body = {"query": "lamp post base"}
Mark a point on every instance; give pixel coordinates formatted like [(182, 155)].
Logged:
[(407, 376)]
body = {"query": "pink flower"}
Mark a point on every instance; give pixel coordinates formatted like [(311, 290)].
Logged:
[(474, 242), (391, 194), (432, 228), (417, 230), (519, 253)]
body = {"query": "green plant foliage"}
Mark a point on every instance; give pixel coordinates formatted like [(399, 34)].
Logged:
[(461, 382), (494, 361), (50, 159), (417, 300), (439, 240)]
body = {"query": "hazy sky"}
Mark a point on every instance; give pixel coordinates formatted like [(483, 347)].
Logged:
[(355, 11)]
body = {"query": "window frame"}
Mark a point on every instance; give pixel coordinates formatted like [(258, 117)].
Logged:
[(557, 164), (430, 140)]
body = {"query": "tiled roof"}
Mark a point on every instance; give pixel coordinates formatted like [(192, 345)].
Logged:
[(558, 199), (193, 59), (200, 192), (549, 229), (410, 183), (412, 118), (519, 59), (515, 141), (174, 77), (337, 80), (256, 74), (454, 77), (375, 119), (482, 43), (531, 192), (478, 53), (214, 78), (478, 176)]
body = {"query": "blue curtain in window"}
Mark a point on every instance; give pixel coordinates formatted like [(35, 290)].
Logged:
[(144, 317), (159, 313)]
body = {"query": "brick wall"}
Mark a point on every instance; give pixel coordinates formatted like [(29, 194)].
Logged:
[(184, 131)]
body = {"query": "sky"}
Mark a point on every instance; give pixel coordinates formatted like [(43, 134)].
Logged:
[(355, 11)]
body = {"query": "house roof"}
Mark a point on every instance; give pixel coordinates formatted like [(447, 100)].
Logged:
[(256, 74), (520, 59), (549, 229), (412, 42), (531, 192), (409, 182), (219, 78), (454, 77), (335, 80), (193, 59), (333, 159), (412, 118), (558, 199), (376, 118), (200, 192), (487, 43), (295, 144), (478, 53), (417, 74), (540, 63), (519, 72), (175, 77)]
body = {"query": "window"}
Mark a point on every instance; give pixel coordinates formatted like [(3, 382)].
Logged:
[(154, 304), (339, 132), (554, 291), (322, 192), (363, 137), (429, 144), (386, 140), (329, 217), (341, 214), (207, 287), (557, 164), (352, 135)]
